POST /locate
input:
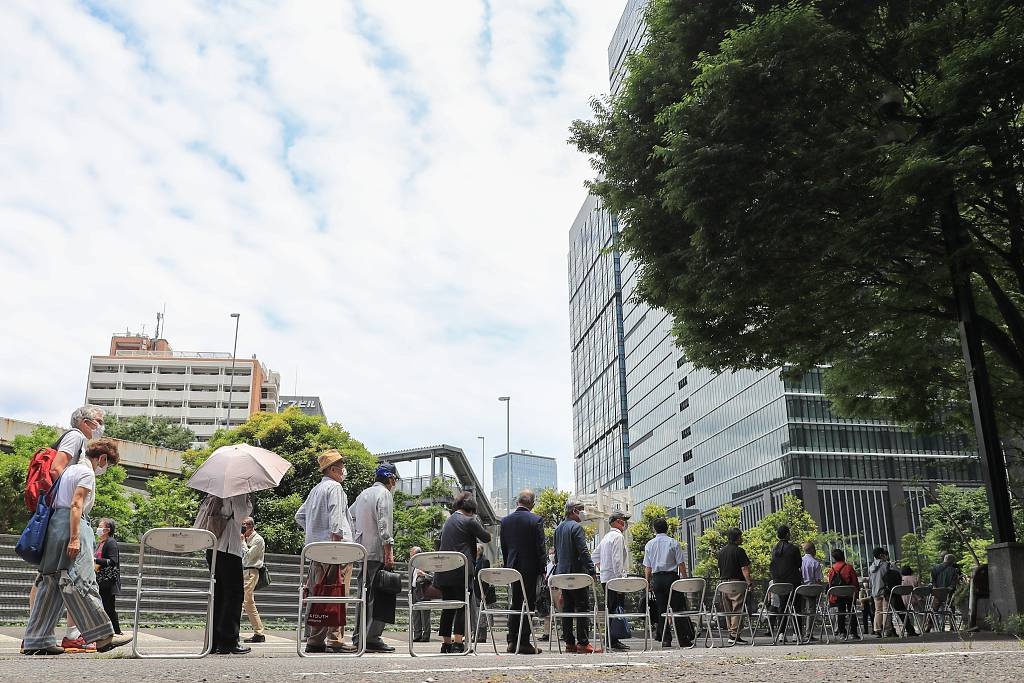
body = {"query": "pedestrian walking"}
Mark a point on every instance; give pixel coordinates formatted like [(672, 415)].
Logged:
[(420, 618), (324, 516), (373, 517), (108, 569), (734, 565), (614, 562), (573, 557), (460, 533), (67, 574), (664, 563), (254, 549), (522, 546)]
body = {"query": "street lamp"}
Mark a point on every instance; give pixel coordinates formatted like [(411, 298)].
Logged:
[(508, 450), (508, 412), (231, 380), (483, 464)]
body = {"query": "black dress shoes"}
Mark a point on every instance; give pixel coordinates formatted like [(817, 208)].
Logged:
[(256, 638), (379, 647), (236, 650)]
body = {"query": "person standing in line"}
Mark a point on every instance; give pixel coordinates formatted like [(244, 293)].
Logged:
[(843, 574), (108, 576), (573, 557), (490, 596), (373, 513), (324, 516), (785, 567), (544, 606), (67, 573), (810, 566), (664, 562), (252, 562), (877, 570), (734, 565), (944, 575), (460, 533), (614, 561), (228, 591), (420, 618), (522, 546)]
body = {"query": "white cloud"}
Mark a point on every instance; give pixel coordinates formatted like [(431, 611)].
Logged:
[(383, 190)]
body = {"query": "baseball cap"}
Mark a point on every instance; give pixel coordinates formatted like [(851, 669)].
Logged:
[(386, 469), (616, 516)]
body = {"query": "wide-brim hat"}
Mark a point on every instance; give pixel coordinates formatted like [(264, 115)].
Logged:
[(328, 458)]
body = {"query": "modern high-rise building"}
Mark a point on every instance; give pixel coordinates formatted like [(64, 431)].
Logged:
[(145, 376), (513, 472), (693, 440)]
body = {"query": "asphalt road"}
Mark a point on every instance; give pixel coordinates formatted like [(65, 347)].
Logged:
[(986, 658)]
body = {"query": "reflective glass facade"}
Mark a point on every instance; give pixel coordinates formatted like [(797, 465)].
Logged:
[(600, 436), (513, 472)]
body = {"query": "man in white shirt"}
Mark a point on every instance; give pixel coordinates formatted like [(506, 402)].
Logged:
[(252, 562), (614, 560), (373, 517), (664, 562), (324, 517)]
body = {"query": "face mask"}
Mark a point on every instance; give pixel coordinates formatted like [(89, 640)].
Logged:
[(97, 432), (100, 469)]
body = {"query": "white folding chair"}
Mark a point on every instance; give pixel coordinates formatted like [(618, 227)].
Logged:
[(689, 588), (433, 563), (836, 611), (331, 553), (503, 577), (628, 585), (777, 621), (942, 610), (808, 593), (899, 616), (570, 582), (737, 592), (178, 541), (920, 600)]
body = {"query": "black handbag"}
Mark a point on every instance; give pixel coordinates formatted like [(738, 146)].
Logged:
[(388, 582), (108, 574), (264, 580)]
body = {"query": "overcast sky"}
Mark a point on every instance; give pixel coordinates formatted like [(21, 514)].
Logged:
[(381, 189)]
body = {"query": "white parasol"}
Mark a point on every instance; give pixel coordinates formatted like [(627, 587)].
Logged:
[(239, 468)]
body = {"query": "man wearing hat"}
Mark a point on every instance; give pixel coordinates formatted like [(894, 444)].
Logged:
[(613, 557), (573, 557), (373, 516), (324, 517)]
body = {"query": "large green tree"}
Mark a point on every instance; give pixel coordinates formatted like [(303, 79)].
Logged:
[(798, 179), (155, 431)]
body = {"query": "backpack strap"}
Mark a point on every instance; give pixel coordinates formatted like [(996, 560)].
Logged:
[(61, 438)]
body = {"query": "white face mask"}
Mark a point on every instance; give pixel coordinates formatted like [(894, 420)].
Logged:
[(100, 469), (97, 431)]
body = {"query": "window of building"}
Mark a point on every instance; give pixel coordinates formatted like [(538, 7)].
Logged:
[(686, 433), (688, 455), (685, 404), (691, 501), (683, 382), (680, 361), (688, 479)]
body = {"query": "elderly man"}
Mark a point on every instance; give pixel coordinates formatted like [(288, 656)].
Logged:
[(522, 546), (573, 557), (252, 562), (613, 558), (664, 562), (420, 618), (373, 515), (946, 574), (324, 517)]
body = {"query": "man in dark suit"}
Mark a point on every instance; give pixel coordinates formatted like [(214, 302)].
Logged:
[(573, 557), (522, 546)]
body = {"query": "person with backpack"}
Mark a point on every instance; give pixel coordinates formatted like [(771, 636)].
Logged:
[(67, 572), (46, 465), (843, 574)]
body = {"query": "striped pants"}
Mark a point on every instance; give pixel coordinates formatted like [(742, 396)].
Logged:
[(71, 588)]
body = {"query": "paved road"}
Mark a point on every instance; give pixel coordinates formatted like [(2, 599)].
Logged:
[(935, 659)]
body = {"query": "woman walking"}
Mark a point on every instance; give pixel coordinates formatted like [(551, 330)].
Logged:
[(460, 534), (108, 572), (67, 576)]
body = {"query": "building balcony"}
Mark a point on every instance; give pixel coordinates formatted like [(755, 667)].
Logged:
[(95, 394)]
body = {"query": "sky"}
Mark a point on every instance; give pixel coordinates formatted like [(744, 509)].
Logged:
[(382, 190)]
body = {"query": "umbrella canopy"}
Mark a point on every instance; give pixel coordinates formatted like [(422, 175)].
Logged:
[(239, 468)]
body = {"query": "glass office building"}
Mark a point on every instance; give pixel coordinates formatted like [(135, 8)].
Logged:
[(513, 472)]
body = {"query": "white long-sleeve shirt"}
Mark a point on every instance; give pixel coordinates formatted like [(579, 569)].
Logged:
[(254, 551), (236, 509), (613, 555), (373, 517), (324, 514)]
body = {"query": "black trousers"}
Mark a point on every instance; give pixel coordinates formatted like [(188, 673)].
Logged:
[(228, 593), (661, 585), (108, 594), (530, 583), (576, 601), (845, 605), (453, 620)]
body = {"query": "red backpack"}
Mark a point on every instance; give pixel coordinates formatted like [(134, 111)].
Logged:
[(39, 479)]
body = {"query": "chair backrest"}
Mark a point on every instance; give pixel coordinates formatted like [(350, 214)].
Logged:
[(942, 596), (780, 589), (922, 592), (570, 582), (179, 540), (438, 561), (812, 590), (628, 584), (901, 591), (500, 576), (842, 592), (334, 552), (691, 587), (736, 590)]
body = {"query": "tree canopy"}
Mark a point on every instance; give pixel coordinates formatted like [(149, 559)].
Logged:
[(797, 180), (156, 431)]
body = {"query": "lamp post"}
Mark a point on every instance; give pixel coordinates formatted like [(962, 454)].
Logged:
[(231, 380), (508, 450), (483, 464), (508, 413)]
